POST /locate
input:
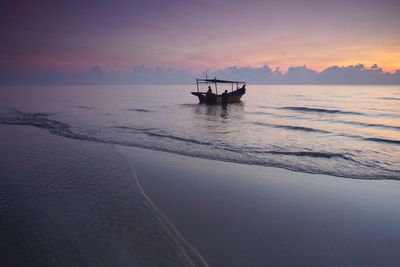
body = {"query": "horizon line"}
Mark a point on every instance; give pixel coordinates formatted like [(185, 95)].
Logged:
[(351, 74)]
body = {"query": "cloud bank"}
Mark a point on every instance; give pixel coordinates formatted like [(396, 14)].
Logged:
[(353, 74)]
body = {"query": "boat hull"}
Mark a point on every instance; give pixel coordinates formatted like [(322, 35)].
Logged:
[(213, 99)]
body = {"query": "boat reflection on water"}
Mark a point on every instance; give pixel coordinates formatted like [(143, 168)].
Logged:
[(212, 112), (217, 119)]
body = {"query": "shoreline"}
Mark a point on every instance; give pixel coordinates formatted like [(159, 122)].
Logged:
[(61, 129), (235, 214), (261, 216), (67, 202)]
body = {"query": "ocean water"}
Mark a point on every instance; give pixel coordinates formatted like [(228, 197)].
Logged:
[(347, 131)]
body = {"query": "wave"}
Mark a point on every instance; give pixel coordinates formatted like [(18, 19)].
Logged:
[(85, 107), (260, 113), (40, 120), (390, 98), (154, 132), (133, 128), (177, 138), (365, 124), (306, 129), (321, 110), (310, 154), (381, 126), (139, 110), (42, 114), (63, 129), (382, 140), (289, 127), (371, 139), (242, 155), (276, 115)]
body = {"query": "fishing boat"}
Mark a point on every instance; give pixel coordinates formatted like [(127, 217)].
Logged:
[(238, 89)]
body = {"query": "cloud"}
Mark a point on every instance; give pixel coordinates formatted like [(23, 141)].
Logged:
[(263, 74), (353, 74), (357, 74), (300, 75), (97, 75)]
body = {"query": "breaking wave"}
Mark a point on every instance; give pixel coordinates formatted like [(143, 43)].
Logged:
[(40, 120), (211, 150), (310, 154)]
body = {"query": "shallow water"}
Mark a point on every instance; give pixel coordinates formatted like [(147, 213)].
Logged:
[(349, 131), (71, 203)]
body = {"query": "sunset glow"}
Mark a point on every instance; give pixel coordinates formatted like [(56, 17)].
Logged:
[(198, 35)]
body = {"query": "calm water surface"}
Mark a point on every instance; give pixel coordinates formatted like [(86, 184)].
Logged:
[(349, 131)]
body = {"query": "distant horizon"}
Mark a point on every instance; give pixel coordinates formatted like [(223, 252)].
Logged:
[(335, 75)]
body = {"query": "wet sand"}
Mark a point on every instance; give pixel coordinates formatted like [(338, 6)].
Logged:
[(68, 202), (241, 215)]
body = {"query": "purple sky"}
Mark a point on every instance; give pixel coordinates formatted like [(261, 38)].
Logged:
[(197, 35)]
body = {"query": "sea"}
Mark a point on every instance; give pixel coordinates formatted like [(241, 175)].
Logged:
[(351, 131)]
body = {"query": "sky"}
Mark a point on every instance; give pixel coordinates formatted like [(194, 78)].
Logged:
[(75, 36)]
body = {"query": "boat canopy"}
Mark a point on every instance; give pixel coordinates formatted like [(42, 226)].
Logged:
[(215, 80)]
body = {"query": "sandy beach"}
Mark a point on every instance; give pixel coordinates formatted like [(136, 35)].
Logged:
[(69, 202), (241, 215)]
